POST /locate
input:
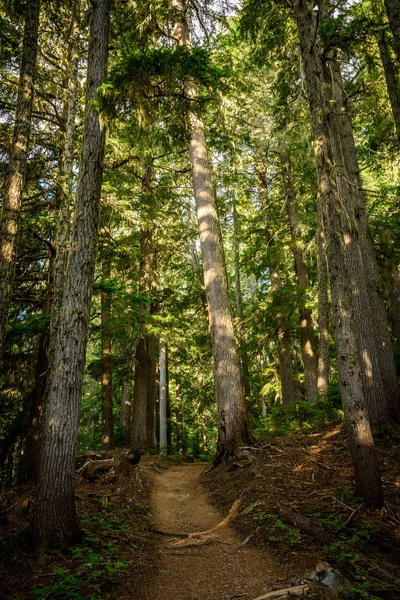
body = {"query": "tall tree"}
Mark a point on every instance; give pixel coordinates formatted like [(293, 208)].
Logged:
[(307, 336), (379, 373), (323, 308), (12, 203), (143, 408), (55, 517), (239, 304), (233, 427), (393, 13), (341, 244), (106, 355)]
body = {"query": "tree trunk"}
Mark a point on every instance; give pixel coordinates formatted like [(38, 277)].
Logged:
[(393, 13), (307, 336), (233, 428), (12, 201), (152, 393), (394, 302), (379, 373), (64, 210), (126, 401), (239, 306), (142, 425), (163, 399), (284, 348), (52, 302), (55, 517), (107, 437), (391, 81), (323, 309), (28, 465), (339, 234)]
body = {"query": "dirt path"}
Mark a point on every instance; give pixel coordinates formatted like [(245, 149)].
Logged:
[(219, 570)]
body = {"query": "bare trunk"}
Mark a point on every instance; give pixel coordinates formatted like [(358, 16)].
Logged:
[(126, 401), (394, 302), (107, 436), (29, 461), (307, 336), (323, 309), (12, 202), (142, 426), (393, 13), (244, 359), (233, 428), (64, 211), (339, 235), (391, 81), (55, 517), (284, 348), (152, 393), (379, 373), (163, 399)]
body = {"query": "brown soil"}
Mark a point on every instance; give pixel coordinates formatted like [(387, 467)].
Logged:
[(220, 568)]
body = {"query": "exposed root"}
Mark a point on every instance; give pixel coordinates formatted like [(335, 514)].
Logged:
[(199, 538)]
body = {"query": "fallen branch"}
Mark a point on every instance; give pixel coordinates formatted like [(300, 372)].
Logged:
[(299, 590)]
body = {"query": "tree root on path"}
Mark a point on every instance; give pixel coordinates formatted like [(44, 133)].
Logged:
[(297, 591), (199, 538)]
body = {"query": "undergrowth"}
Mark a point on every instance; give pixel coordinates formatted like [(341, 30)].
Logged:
[(299, 417), (88, 569)]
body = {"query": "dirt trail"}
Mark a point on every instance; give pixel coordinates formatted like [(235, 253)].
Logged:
[(220, 570)]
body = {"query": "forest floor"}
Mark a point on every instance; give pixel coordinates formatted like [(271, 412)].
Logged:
[(167, 529)]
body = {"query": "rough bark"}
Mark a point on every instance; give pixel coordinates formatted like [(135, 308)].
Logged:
[(233, 428), (323, 309), (339, 232), (27, 469), (244, 359), (107, 436), (143, 407), (379, 373), (64, 206), (12, 201), (307, 336), (391, 80), (393, 13), (126, 402), (55, 517), (394, 302), (284, 348), (163, 399)]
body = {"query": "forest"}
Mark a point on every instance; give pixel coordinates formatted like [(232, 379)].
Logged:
[(199, 243)]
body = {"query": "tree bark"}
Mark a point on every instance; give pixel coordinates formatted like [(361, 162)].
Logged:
[(394, 302), (12, 202), (379, 373), (307, 336), (163, 399), (339, 232), (323, 309), (27, 469), (391, 80), (143, 407), (55, 517), (284, 347), (233, 427), (126, 402), (244, 359), (64, 209), (393, 13), (107, 437)]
